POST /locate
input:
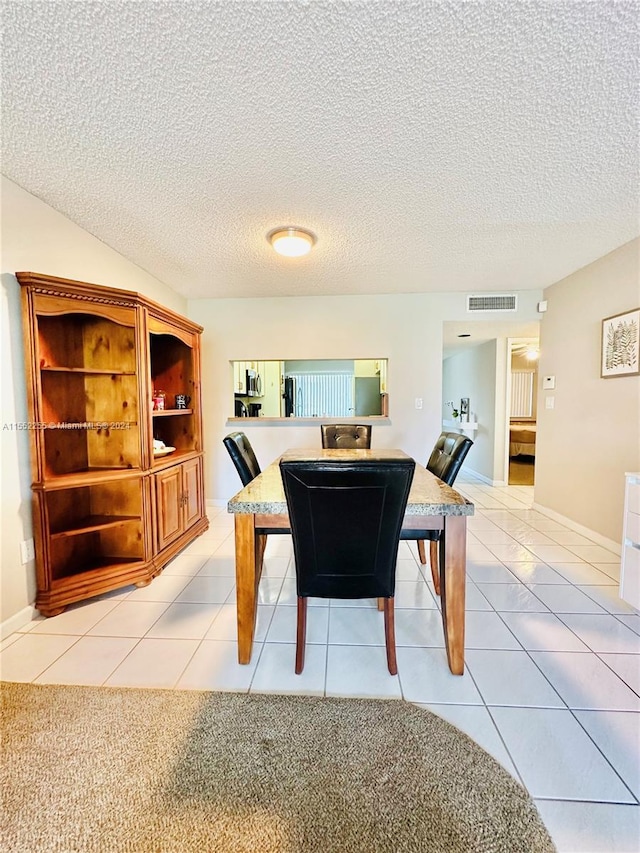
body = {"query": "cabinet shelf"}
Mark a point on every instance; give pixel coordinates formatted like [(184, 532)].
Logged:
[(88, 471), (92, 523), (86, 341), (172, 458), (177, 428), (86, 477), (89, 566), (48, 368)]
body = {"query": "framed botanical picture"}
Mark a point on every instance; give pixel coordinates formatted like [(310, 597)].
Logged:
[(621, 345)]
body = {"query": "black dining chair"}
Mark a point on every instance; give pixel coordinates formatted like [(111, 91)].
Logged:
[(446, 459), (345, 521), (348, 436), (242, 456)]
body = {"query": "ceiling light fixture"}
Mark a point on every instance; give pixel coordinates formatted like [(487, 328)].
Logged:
[(291, 242)]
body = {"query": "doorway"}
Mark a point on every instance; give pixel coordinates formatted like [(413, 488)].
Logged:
[(522, 411)]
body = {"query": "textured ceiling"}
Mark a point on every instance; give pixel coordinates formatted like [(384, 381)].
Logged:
[(477, 331), (431, 146)]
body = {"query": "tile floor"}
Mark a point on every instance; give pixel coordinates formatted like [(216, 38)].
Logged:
[(552, 682)]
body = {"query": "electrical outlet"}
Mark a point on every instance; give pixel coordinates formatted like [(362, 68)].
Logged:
[(27, 551), (418, 402)]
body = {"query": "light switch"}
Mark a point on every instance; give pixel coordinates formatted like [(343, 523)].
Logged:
[(550, 403), (418, 402), (548, 383)]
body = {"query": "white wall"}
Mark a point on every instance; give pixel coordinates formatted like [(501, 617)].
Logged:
[(591, 437), (38, 239), (477, 373), (405, 329)]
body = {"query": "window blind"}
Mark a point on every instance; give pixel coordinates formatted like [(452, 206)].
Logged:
[(522, 393), (323, 395)]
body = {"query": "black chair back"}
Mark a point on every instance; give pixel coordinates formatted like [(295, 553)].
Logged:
[(242, 455), (346, 519), (448, 455), (349, 436), (445, 461)]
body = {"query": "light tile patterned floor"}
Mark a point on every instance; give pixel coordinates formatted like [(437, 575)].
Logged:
[(552, 679)]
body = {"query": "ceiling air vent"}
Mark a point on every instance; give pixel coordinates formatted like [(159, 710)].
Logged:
[(492, 302)]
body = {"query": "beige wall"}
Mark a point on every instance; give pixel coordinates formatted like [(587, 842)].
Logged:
[(38, 239), (592, 436)]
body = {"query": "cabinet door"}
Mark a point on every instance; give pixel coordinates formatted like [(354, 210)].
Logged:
[(239, 377), (192, 496), (630, 565), (169, 492)]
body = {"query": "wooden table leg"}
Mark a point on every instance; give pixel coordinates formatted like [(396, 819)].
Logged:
[(453, 563), (247, 558)]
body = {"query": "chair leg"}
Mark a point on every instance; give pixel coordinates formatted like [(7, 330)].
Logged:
[(301, 634), (421, 552), (261, 544), (390, 635), (433, 559), (381, 604)]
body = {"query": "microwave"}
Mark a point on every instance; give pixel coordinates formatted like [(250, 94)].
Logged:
[(253, 384)]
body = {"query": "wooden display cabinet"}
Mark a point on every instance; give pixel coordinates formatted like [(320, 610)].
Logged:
[(94, 355)]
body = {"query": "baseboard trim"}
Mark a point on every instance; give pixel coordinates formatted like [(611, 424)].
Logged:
[(217, 503), (609, 544), (482, 478), (17, 621)]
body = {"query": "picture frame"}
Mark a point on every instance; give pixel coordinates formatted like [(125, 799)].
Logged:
[(620, 345)]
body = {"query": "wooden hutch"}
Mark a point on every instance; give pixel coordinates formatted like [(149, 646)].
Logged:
[(108, 510)]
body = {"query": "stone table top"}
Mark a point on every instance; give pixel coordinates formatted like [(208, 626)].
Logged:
[(428, 495)]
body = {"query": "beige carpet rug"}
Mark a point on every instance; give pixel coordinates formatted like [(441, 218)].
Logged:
[(104, 770)]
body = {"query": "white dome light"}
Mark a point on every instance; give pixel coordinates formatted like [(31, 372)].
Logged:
[(291, 242)]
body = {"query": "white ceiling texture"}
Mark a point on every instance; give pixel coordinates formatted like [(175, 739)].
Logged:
[(430, 146)]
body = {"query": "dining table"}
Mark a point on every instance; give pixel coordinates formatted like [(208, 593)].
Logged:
[(260, 509)]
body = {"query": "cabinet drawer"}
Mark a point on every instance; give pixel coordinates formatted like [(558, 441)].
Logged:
[(632, 528), (633, 497), (630, 576)]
